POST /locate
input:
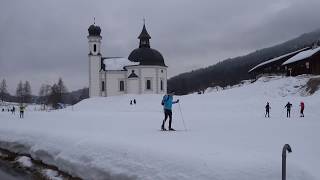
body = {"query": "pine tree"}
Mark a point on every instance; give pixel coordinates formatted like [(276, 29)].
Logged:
[(62, 90), (44, 93), (27, 92), (3, 89), (19, 92), (55, 98)]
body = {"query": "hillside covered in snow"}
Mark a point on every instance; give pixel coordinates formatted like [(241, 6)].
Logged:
[(227, 136)]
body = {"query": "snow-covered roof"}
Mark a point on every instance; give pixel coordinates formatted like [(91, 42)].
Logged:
[(276, 59), (301, 56), (118, 63)]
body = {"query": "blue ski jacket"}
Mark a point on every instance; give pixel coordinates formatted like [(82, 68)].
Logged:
[(168, 101)]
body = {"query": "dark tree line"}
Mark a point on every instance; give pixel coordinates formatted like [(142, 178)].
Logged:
[(233, 71), (56, 95), (23, 92), (3, 90)]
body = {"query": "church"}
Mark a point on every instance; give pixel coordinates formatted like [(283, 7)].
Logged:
[(143, 72)]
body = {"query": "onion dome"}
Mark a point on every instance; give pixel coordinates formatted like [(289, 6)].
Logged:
[(94, 30)]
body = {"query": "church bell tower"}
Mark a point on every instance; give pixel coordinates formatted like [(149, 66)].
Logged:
[(94, 40)]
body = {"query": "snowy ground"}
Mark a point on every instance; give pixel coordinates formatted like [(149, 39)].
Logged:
[(228, 137)]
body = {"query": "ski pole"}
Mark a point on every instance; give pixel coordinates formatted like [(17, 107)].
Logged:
[(182, 117)]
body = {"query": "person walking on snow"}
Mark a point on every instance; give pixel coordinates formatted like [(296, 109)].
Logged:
[(288, 106), (13, 110), (22, 110), (167, 102), (267, 110), (301, 109)]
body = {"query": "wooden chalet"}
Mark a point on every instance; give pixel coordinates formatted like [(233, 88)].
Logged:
[(306, 62), (273, 66)]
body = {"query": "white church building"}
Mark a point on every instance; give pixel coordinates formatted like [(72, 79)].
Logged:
[(143, 72)]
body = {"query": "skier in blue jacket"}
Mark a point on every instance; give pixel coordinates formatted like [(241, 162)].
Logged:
[(167, 102)]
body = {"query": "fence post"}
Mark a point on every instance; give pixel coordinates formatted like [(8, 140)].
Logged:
[(286, 148)]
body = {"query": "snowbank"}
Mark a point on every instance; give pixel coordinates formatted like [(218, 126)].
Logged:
[(227, 138)]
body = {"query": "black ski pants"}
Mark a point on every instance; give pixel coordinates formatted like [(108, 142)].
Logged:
[(288, 113), (167, 113), (267, 113), (21, 114)]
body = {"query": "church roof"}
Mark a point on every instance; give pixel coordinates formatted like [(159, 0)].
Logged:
[(94, 30), (144, 33), (133, 75), (117, 63), (144, 54), (147, 56)]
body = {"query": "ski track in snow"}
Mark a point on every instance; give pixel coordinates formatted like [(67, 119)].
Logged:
[(228, 137)]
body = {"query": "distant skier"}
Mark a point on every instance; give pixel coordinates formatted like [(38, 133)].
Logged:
[(288, 106), (267, 110), (301, 109), (130, 102), (134, 101), (13, 110), (167, 102), (22, 111)]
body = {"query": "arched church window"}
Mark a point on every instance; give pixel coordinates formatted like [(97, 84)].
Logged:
[(148, 84), (94, 48), (121, 85), (102, 86), (161, 85)]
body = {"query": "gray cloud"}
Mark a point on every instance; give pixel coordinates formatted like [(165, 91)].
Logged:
[(41, 41)]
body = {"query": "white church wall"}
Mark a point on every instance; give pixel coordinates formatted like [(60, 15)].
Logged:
[(133, 86), (113, 79), (148, 73), (154, 74), (162, 75), (94, 67)]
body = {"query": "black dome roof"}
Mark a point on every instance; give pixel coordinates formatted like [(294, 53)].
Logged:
[(144, 54), (147, 56), (94, 30)]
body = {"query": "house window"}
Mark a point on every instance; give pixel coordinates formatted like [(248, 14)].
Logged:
[(94, 48), (161, 85), (307, 65), (121, 85), (148, 84), (102, 86)]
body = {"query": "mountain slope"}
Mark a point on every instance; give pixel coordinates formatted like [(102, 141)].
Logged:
[(232, 71)]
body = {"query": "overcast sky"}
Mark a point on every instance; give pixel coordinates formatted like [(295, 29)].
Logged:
[(42, 40)]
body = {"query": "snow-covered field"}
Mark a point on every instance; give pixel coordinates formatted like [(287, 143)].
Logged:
[(228, 137)]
